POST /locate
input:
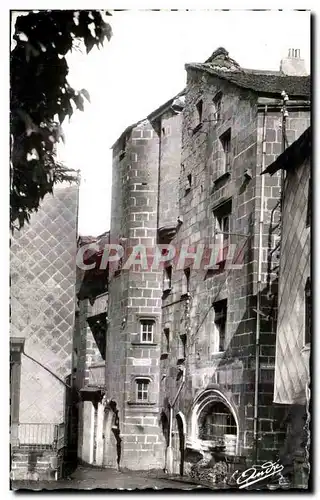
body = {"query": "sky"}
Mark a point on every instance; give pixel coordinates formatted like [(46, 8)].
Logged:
[(143, 66)]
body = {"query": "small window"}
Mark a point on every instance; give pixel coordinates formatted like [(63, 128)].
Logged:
[(225, 140), (167, 275), (308, 313), (309, 205), (142, 389), (220, 321), (166, 340), (147, 327), (182, 348), (200, 109), (222, 230), (217, 107), (186, 280), (188, 183)]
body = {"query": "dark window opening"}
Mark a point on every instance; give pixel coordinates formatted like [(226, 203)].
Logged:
[(186, 280), (166, 334), (309, 205), (188, 183), (142, 389), (167, 276), (225, 140), (200, 109), (308, 313), (182, 341), (220, 321), (147, 327), (217, 107)]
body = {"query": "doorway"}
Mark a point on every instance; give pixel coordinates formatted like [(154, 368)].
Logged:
[(181, 434)]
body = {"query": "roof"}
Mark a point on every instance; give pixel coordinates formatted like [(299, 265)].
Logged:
[(152, 116), (261, 81), (164, 107), (293, 156)]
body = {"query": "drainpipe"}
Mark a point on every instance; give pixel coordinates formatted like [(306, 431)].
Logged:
[(257, 350), (285, 114), (169, 464)]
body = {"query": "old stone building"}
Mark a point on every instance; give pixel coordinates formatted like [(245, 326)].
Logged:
[(292, 371), (146, 160), (219, 325), (42, 271), (190, 343)]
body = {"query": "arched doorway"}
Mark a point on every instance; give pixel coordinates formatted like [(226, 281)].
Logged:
[(214, 423), (164, 422), (181, 434)]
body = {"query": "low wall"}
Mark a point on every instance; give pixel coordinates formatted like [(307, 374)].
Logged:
[(36, 465)]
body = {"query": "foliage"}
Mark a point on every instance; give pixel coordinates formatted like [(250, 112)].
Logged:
[(41, 98)]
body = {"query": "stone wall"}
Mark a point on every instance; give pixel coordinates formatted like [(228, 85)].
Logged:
[(135, 293), (36, 465), (230, 374)]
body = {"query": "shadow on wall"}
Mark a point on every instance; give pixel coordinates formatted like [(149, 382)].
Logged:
[(116, 431), (71, 428)]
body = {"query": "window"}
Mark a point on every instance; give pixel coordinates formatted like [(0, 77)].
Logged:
[(217, 424), (166, 338), (188, 183), (181, 352), (217, 107), (200, 109), (309, 205), (167, 275), (220, 321), (225, 140), (308, 313), (147, 327), (222, 230), (186, 281), (142, 388)]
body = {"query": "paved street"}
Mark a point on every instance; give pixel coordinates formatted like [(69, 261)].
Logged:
[(87, 478)]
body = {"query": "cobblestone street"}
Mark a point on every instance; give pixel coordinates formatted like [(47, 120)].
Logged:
[(87, 478)]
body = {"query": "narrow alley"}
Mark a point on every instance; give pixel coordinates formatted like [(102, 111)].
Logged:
[(87, 478)]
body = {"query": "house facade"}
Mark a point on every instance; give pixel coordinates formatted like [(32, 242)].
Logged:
[(218, 371), (42, 272), (292, 370), (190, 336)]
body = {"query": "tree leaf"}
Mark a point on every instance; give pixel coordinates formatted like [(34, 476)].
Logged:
[(38, 74), (86, 94)]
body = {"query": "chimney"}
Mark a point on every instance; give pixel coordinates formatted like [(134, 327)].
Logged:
[(293, 65)]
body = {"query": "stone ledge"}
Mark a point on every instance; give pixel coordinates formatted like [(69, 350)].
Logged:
[(140, 403), (144, 344)]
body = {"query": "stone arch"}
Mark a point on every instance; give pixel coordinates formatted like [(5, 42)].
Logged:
[(183, 421), (211, 398)]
